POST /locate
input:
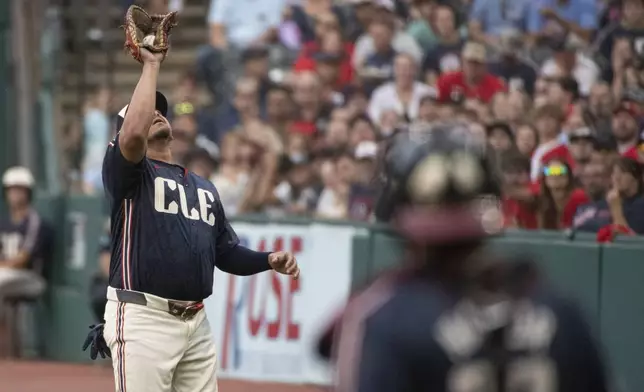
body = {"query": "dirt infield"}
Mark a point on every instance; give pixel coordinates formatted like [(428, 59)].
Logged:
[(55, 377)]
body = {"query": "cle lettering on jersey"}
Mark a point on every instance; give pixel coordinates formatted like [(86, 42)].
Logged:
[(205, 199)]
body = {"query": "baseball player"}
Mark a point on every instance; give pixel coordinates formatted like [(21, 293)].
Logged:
[(169, 231), (453, 318)]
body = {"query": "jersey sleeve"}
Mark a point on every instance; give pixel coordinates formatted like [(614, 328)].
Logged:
[(120, 176)]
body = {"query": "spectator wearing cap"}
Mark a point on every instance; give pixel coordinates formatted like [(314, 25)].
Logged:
[(402, 42), (548, 120), (403, 94), (500, 136), (488, 19), (378, 67), (517, 73), (581, 142), (623, 204), (474, 81), (556, 19), (445, 55), (363, 190), (629, 27), (568, 60), (625, 128)]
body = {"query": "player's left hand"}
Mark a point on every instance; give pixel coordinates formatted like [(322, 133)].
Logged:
[(284, 263)]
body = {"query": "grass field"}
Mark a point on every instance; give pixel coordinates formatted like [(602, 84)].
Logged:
[(26, 376)]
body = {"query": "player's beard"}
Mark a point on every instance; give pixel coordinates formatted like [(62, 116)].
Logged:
[(162, 134)]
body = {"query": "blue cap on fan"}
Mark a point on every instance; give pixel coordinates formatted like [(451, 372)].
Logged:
[(161, 105)]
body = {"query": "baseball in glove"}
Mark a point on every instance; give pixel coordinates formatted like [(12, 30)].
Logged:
[(151, 32)]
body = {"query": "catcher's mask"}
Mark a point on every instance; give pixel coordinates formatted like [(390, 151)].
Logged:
[(438, 187), (161, 105)]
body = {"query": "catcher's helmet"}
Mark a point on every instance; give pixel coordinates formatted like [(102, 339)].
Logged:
[(18, 176), (434, 178)]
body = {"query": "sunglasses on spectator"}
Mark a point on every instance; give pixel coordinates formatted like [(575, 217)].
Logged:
[(555, 170), (184, 108)]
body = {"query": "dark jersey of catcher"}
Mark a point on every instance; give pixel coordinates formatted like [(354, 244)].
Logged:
[(168, 227), (412, 335)]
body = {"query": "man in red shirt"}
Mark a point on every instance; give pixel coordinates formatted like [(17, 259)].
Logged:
[(473, 81)]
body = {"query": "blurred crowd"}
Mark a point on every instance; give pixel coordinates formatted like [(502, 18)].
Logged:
[(304, 92)]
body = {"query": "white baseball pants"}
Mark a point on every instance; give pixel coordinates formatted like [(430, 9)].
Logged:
[(155, 351)]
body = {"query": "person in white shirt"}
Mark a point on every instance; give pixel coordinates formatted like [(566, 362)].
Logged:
[(403, 94), (569, 60)]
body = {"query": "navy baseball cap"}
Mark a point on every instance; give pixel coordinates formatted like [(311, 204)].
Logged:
[(161, 105)]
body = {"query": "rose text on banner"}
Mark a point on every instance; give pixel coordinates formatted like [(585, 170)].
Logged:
[(266, 326)]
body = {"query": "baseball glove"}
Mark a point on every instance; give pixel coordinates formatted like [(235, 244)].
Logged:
[(151, 32)]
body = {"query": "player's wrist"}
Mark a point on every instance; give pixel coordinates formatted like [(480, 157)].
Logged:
[(152, 64)]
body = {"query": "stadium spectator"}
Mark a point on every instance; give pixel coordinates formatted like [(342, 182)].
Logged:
[(26, 240), (500, 137), (235, 26), (97, 132), (279, 110), (623, 204), (312, 15), (445, 54), (518, 203), (363, 191), (581, 143), (233, 173), (402, 42), (558, 197), (526, 139), (551, 19), (332, 203), (474, 81), (548, 121), (517, 73), (378, 66), (402, 95), (489, 19), (625, 127), (569, 61)]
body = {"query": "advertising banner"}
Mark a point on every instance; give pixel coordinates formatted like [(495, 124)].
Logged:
[(266, 326)]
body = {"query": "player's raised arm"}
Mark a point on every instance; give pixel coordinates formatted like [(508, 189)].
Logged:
[(133, 137)]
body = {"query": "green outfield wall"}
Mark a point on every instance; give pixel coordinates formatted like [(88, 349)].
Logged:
[(607, 280)]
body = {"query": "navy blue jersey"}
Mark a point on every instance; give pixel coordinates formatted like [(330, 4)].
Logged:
[(168, 227), (32, 236), (414, 336)]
